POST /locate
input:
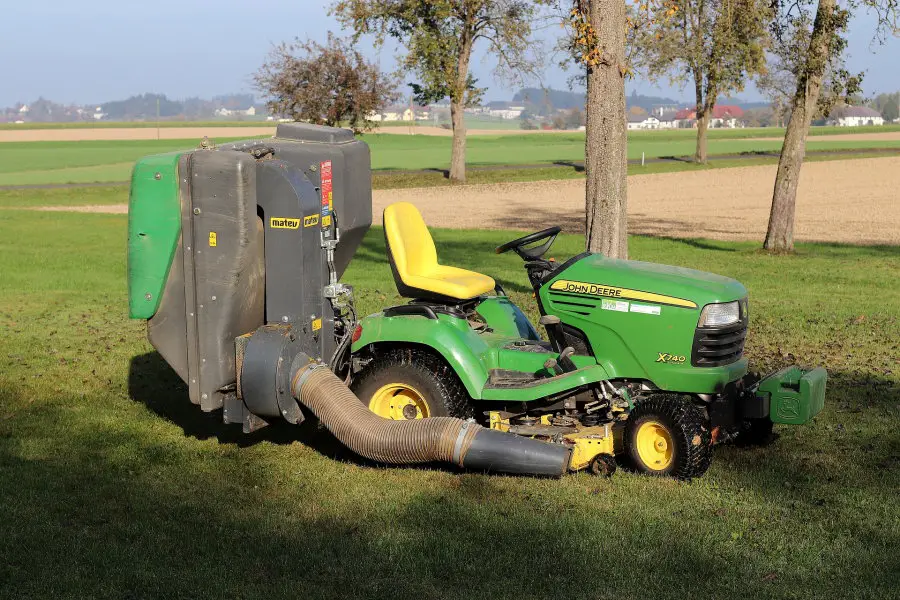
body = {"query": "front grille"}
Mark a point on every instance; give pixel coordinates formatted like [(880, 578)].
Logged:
[(716, 346)]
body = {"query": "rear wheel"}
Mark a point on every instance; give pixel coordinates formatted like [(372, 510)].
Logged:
[(411, 383), (668, 436)]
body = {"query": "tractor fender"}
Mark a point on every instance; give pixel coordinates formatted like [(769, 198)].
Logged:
[(451, 338)]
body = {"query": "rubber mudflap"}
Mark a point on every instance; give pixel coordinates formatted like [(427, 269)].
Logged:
[(502, 452)]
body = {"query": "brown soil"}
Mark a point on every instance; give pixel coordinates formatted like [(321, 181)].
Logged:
[(854, 201)]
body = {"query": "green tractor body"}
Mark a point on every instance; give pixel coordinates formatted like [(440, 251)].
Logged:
[(616, 336), (235, 255)]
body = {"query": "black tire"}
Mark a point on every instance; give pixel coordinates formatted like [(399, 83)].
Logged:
[(684, 423), (603, 465), (421, 369)]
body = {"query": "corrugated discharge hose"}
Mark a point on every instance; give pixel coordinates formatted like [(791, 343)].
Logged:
[(444, 439)]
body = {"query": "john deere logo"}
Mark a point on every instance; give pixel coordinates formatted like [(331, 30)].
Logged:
[(598, 289), (284, 223)]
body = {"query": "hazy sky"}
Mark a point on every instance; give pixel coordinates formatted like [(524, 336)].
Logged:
[(111, 49)]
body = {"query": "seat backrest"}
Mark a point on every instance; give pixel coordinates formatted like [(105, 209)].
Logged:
[(409, 242)]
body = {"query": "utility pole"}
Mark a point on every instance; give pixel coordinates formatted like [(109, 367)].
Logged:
[(157, 117)]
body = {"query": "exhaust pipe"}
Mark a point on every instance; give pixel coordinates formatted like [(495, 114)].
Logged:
[(437, 439)]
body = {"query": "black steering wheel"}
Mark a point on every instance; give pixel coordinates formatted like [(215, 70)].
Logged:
[(535, 252)]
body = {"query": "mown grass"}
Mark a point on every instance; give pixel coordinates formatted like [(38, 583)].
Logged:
[(118, 194), (113, 485), (96, 161)]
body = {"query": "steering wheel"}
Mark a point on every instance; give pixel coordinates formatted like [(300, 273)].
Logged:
[(535, 252)]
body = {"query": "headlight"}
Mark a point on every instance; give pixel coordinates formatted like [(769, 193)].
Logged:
[(720, 315)]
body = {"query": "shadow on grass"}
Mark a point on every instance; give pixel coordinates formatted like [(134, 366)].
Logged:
[(698, 243), (120, 511), (153, 383), (577, 166)]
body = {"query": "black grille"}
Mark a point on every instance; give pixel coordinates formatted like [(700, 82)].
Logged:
[(716, 346)]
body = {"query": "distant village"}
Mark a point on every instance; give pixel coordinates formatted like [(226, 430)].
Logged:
[(532, 108)]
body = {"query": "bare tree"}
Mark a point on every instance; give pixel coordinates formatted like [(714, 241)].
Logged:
[(328, 84)]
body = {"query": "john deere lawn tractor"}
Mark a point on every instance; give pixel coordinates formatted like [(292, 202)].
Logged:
[(235, 258)]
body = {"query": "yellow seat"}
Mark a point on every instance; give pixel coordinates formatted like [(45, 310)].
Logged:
[(415, 264)]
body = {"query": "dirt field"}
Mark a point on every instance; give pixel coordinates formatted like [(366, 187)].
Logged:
[(855, 201)]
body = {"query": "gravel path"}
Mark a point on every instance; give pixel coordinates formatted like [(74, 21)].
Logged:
[(854, 201)]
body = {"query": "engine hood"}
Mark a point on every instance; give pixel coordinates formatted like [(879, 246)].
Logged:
[(596, 275)]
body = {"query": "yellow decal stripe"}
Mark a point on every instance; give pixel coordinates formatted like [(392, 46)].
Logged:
[(598, 289), (284, 223)]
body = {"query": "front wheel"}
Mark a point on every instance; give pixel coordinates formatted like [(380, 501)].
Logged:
[(668, 436), (411, 383)]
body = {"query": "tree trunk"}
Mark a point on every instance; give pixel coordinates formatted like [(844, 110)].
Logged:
[(458, 154), (702, 116), (702, 126), (780, 235), (606, 163)]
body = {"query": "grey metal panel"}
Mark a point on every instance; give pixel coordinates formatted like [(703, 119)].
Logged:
[(257, 273), (295, 271), (167, 329), (306, 132), (266, 372), (229, 267), (351, 176), (187, 257)]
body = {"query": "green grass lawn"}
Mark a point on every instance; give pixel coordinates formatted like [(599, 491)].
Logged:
[(113, 485), (24, 163)]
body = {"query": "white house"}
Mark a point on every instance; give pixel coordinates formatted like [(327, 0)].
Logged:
[(643, 122), (667, 120), (854, 116), (228, 112), (505, 110)]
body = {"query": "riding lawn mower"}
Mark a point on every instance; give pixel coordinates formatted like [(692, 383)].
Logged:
[(235, 258)]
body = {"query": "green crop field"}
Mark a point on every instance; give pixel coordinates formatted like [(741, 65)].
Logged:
[(23, 163), (113, 485)]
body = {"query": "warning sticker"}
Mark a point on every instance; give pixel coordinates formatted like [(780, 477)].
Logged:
[(616, 305), (212, 239), (644, 308), (327, 189)]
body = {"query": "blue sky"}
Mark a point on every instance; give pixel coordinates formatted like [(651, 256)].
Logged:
[(106, 50)]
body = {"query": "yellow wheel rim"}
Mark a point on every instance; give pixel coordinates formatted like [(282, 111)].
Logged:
[(400, 402), (654, 445)]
